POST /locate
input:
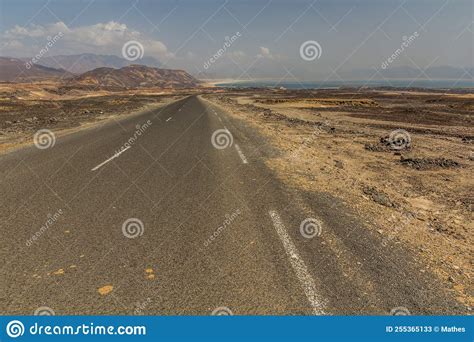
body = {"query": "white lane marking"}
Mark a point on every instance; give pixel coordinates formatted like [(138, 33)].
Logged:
[(298, 265), (241, 154), (114, 156), (168, 119)]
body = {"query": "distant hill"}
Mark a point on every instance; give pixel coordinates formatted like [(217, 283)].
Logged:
[(16, 70), (134, 76), (78, 64)]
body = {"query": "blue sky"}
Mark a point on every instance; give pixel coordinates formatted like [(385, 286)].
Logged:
[(186, 34)]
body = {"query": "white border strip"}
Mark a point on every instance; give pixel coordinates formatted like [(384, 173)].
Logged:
[(113, 157), (298, 265), (241, 154)]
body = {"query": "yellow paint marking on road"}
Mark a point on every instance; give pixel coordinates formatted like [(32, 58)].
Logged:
[(105, 290), (59, 272), (149, 273)]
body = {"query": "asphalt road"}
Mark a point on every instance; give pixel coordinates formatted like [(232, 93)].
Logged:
[(170, 224)]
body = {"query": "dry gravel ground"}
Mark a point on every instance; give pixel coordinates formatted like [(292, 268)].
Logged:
[(337, 142), (418, 194), (28, 107)]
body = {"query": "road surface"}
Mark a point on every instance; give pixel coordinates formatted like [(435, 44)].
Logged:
[(152, 215)]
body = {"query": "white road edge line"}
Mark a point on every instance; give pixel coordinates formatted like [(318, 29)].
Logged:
[(241, 154), (298, 265), (113, 157), (168, 119)]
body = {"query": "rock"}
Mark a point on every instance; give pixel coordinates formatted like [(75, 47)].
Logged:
[(378, 196), (339, 164), (428, 163)]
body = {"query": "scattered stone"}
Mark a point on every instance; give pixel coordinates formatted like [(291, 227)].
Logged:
[(378, 196), (428, 163), (375, 147), (386, 145)]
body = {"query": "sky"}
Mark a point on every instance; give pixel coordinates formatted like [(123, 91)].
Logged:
[(260, 38)]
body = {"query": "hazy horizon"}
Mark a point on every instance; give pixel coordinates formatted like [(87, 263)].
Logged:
[(254, 39)]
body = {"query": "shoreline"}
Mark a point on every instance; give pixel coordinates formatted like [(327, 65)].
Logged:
[(400, 84)]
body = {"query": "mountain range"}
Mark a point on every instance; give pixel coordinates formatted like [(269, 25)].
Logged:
[(114, 78), (17, 70), (133, 76), (78, 64)]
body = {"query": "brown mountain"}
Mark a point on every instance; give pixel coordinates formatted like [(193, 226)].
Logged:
[(78, 64), (16, 70), (134, 76)]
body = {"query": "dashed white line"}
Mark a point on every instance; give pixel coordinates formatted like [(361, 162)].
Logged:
[(241, 154), (298, 265), (168, 119), (113, 157)]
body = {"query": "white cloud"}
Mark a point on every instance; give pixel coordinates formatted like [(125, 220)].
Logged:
[(265, 53), (102, 38)]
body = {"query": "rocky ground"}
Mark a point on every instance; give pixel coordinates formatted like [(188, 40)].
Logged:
[(402, 159), (28, 107)]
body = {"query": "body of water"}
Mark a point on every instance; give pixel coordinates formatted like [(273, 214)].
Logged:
[(433, 84)]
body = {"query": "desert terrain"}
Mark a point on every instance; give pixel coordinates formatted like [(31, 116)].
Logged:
[(401, 159), (418, 194)]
